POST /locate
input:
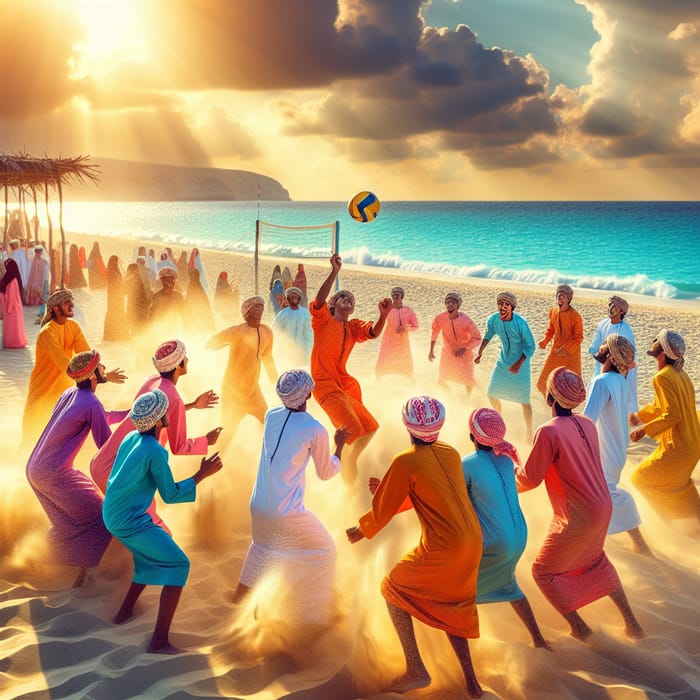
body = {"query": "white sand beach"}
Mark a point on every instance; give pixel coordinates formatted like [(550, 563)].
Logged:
[(60, 643)]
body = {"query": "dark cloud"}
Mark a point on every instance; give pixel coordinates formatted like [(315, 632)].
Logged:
[(36, 48)]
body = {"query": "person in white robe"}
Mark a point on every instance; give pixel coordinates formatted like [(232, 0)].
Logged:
[(293, 326), (607, 405), (287, 538)]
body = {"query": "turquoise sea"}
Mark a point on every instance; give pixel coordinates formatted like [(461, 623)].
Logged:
[(648, 248)]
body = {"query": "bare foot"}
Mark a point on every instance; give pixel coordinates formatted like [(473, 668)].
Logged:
[(474, 690), (166, 648), (409, 682), (581, 632), (80, 578), (542, 643), (122, 616), (634, 630)]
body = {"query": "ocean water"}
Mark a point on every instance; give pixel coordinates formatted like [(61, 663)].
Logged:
[(648, 248)]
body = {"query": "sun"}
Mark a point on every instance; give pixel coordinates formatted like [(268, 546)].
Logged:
[(111, 33)]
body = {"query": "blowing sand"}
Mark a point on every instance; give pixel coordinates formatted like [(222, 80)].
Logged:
[(60, 643)]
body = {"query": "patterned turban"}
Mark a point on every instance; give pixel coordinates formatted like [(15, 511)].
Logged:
[(293, 290), (340, 293), (507, 296), (488, 428), (167, 270), (148, 409), (565, 289), (293, 387), (673, 345), (397, 290), (566, 387), (423, 417), (169, 355), (620, 303), (249, 303), (621, 352), (56, 299), (455, 296), (83, 365)]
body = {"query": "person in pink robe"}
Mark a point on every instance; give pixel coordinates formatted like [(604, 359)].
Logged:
[(171, 361), (38, 281), (460, 336), (571, 567), (394, 356), (13, 333)]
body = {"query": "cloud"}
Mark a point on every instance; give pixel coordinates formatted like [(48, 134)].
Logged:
[(224, 137), (36, 50)]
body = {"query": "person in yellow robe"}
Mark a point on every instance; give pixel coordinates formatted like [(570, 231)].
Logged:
[(664, 477), (58, 340), (435, 582), (565, 330), (250, 346)]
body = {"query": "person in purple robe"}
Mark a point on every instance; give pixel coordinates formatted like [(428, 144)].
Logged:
[(72, 501)]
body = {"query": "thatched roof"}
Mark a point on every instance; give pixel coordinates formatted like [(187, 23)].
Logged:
[(25, 171)]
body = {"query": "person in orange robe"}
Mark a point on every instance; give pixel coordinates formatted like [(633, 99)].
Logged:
[(59, 339), (571, 568), (436, 582), (338, 393), (566, 329), (664, 478)]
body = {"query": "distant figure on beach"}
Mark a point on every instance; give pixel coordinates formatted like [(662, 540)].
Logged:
[(394, 356), (664, 478), (293, 334), (195, 263), (300, 283), (76, 278), (510, 378), (37, 290), (168, 305), (197, 314), (138, 304), (171, 362), (488, 473), (249, 347), (226, 295), (287, 538), (11, 308), (615, 323), (116, 327), (571, 568), (565, 330), (182, 268), (335, 335), (436, 582), (18, 253), (97, 271), (59, 339), (460, 336), (607, 405), (141, 468), (70, 499)]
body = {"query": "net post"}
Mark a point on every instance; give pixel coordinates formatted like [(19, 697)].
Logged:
[(255, 255), (336, 248)]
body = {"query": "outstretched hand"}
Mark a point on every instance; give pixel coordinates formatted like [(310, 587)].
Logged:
[(213, 435), (385, 306), (341, 435), (116, 376), (206, 400), (209, 465), (354, 534)]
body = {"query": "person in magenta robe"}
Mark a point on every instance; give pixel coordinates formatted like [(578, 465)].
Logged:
[(571, 567), (72, 502), (11, 293)]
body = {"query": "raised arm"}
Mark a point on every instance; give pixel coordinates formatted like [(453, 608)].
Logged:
[(325, 289), (384, 309)]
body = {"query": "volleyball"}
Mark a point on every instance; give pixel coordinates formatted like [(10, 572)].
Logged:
[(364, 207)]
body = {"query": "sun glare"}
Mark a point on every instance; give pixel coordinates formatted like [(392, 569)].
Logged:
[(111, 33)]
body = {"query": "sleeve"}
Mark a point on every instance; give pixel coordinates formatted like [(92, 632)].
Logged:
[(664, 414), (474, 335), (528, 339), (79, 342), (538, 463), (549, 333), (307, 335), (361, 330), (98, 425), (326, 464), (48, 342), (171, 492), (597, 397), (490, 327), (267, 358), (597, 339), (412, 320), (176, 432), (573, 345), (116, 416), (389, 497), (216, 342), (319, 317), (434, 329)]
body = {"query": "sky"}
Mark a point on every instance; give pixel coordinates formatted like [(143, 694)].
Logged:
[(411, 99)]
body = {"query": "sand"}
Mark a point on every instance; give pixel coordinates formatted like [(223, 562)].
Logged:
[(60, 643)]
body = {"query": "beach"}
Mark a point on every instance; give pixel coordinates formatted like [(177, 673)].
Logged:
[(60, 643)]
